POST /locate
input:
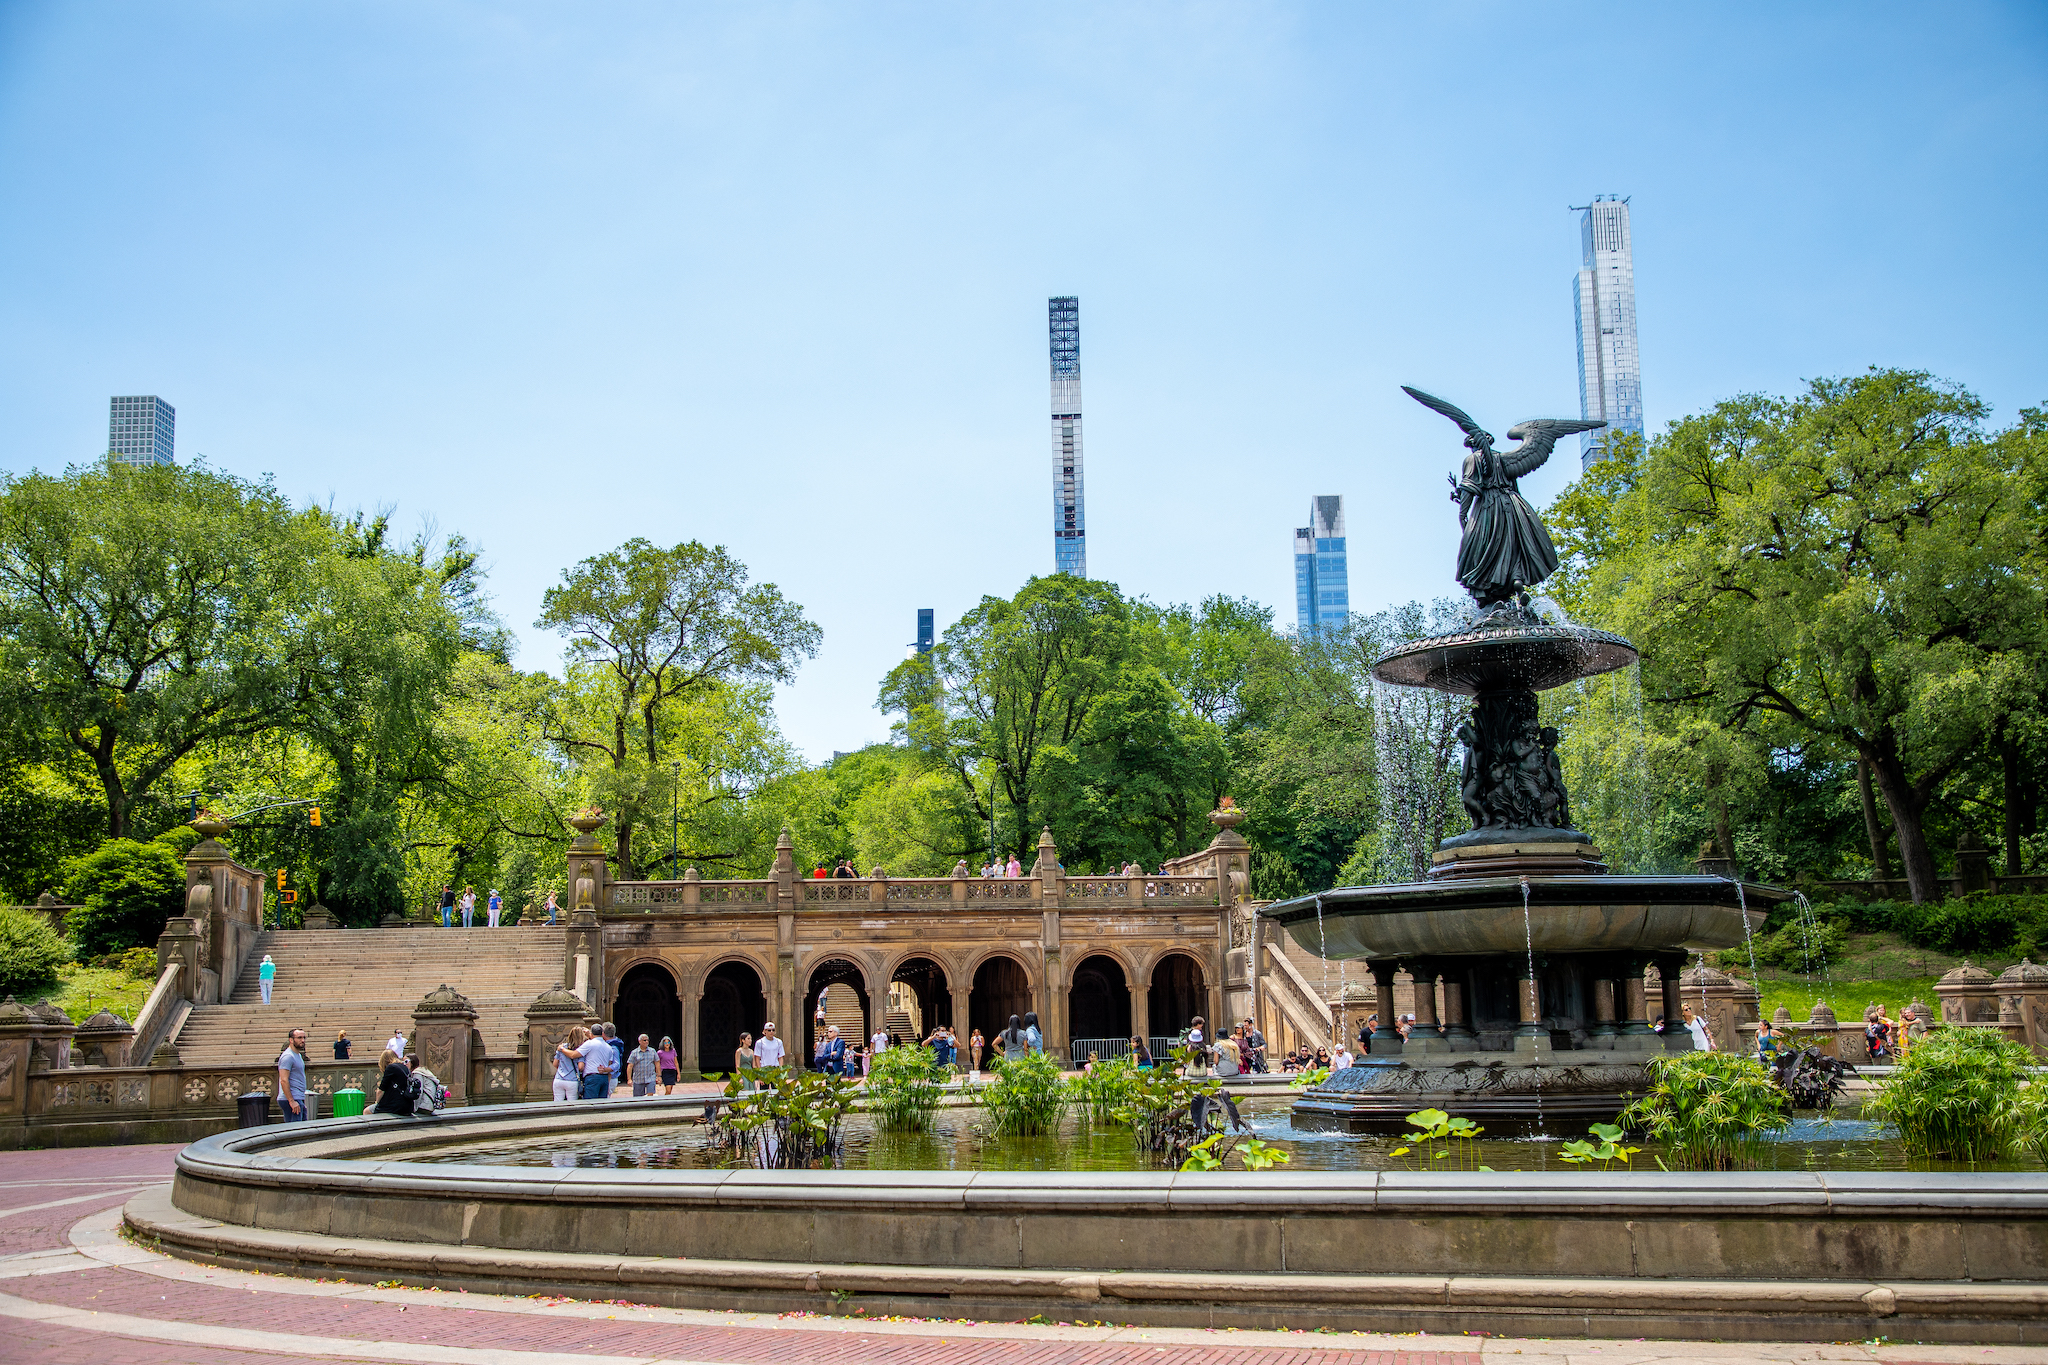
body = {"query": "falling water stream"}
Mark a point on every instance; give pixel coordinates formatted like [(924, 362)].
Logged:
[(1536, 996), (1813, 948), (1323, 948)]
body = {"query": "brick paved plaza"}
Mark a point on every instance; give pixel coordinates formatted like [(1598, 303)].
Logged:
[(76, 1292)]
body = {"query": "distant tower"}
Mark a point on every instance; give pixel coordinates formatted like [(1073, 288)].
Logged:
[(1069, 509), (925, 637), (141, 431), (1322, 581), (1604, 301)]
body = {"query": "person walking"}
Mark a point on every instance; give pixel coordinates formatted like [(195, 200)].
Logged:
[(341, 1046), (495, 906), (818, 1015), (568, 1064), (1256, 1042), (643, 1069), (831, 1056), (291, 1077), (768, 1051), (552, 910), (447, 906), (877, 1045), (618, 1067), (976, 1045), (1702, 1041), (468, 907), (394, 1087), (670, 1068), (265, 976)]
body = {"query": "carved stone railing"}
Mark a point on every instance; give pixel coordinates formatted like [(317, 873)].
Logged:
[(1180, 891), (671, 895), (1004, 890), (1091, 892), (835, 891), (913, 892)]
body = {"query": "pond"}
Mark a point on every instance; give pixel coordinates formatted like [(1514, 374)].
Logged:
[(955, 1144)]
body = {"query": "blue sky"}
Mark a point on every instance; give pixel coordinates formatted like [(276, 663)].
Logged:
[(774, 275)]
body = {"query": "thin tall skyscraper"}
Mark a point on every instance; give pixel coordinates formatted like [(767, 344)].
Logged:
[(141, 430), (1322, 582), (1604, 302), (1069, 509)]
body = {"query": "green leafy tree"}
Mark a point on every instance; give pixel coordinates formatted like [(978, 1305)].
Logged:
[(1857, 569), (652, 627), (123, 892), (30, 951), (147, 611)]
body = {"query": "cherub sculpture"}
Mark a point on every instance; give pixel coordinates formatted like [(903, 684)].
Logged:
[(1505, 548)]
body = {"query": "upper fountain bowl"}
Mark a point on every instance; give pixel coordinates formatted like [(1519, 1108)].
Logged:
[(1503, 650)]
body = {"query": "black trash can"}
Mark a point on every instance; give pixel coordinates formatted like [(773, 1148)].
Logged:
[(253, 1109)]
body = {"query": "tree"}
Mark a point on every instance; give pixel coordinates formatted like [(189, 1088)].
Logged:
[(124, 890), (146, 611), (658, 626), (1858, 568)]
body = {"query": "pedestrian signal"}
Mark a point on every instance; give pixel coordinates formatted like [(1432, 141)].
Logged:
[(288, 898), (316, 817)]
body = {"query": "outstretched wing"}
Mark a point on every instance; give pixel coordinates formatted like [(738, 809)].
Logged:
[(1537, 436), (1457, 415)]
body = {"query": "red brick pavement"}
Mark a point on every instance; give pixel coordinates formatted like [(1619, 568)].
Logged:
[(439, 1320), (48, 1345)]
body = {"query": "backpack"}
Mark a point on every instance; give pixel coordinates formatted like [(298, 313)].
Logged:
[(428, 1095)]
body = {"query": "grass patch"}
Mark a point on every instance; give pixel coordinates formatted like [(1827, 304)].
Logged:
[(1850, 998), (81, 990)]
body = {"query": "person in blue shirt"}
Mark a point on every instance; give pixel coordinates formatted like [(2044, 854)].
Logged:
[(618, 1069), (831, 1058), (1031, 1033)]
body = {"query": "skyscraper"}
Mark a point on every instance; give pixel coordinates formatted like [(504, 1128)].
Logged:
[(1322, 582), (1604, 302), (1069, 510), (141, 430)]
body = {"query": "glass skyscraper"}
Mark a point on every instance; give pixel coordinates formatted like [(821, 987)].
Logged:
[(141, 430), (1069, 507), (1322, 583), (1604, 303)]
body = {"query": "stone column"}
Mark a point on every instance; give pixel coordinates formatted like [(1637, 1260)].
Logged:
[(589, 892), (959, 1026), (1052, 1013), (1671, 972), (1141, 1010), (1386, 1041), (689, 1041), (179, 945), (18, 1028), (1603, 1032), (104, 1039), (1532, 1038), (548, 1021), (1636, 1034), (442, 1023), (784, 870), (1427, 1035), (1457, 1015)]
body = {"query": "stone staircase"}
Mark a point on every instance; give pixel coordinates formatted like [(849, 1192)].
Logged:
[(367, 981)]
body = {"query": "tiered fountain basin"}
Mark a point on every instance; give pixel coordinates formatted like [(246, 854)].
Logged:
[(1545, 1018), (1763, 1255)]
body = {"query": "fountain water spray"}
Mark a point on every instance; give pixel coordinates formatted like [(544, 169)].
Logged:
[(1535, 995)]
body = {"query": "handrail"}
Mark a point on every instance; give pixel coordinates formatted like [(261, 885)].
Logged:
[(155, 1013)]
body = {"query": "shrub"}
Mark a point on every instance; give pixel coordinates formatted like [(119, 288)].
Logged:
[(1103, 1092), (1797, 949), (30, 951), (123, 891), (789, 1121), (139, 963), (1711, 1110), (1026, 1098), (902, 1090), (1957, 1095)]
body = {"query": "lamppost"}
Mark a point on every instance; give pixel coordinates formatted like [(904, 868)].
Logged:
[(675, 786), (1000, 767)]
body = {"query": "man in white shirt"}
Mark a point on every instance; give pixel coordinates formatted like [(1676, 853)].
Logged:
[(597, 1057), (878, 1044), (1342, 1061), (768, 1050), (396, 1043)]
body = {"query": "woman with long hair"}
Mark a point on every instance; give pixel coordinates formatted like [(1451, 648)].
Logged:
[(568, 1071), (1141, 1056), (394, 1088)]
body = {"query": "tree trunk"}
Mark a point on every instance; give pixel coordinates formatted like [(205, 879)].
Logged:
[(1724, 834), (2009, 758), (1880, 857), (1908, 807)]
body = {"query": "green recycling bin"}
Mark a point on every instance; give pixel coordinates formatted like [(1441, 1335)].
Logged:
[(348, 1103)]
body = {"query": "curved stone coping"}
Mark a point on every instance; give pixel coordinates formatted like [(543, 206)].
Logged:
[(1489, 893), (1753, 1309), (334, 1158)]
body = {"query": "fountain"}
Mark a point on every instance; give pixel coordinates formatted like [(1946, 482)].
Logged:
[(1540, 951)]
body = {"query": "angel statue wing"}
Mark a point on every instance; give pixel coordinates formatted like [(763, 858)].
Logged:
[(1457, 415), (1537, 436)]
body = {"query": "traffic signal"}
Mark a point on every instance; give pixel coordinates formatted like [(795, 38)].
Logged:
[(316, 817), (289, 898), (280, 879)]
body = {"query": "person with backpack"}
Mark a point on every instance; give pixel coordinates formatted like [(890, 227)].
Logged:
[(429, 1096), (569, 1064), (394, 1087)]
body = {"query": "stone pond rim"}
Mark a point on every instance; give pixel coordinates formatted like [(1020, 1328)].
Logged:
[(1518, 652)]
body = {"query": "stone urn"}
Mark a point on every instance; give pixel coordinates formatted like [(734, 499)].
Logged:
[(587, 822)]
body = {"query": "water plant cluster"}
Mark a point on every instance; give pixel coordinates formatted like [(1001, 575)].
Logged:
[(1961, 1094), (783, 1119), (1711, 1111)]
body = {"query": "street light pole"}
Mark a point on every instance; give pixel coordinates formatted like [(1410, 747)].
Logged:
[(674, 850)]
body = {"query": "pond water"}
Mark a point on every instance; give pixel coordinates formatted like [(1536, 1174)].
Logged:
[(956, 1144)]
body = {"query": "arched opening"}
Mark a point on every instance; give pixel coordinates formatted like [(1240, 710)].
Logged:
[(733, 1001), (1000, 990), (919, 999), (1178, 995), (840, 987), (647, 1003), (1099, 1007)]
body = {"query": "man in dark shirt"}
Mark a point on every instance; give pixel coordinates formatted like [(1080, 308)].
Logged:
[(447, 905)]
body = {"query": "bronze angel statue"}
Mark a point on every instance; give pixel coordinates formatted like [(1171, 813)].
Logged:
[(1505, 548)]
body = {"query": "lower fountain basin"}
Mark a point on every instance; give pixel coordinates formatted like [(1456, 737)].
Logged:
[(1484, 915)]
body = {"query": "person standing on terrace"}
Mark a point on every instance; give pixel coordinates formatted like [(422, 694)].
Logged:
[(768, 1052)]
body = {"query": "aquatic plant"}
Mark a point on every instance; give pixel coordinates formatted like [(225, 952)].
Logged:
[(1308, 1079), (1957, 1094), (1810, 1078), (1171, 1112), (1436, 1136), (1711, 1111), (1103, 1091), (1027, 1097), (790, 1122), (903, 1090), (1603, 1144), (1213, 1153)]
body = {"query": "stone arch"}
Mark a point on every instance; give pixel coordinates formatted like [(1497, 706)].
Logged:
[(1099, 1001), (831, 969), (732, 997), (1131, 963), (1001, 985), (930, 980), (646, 1001), (1179, 990)]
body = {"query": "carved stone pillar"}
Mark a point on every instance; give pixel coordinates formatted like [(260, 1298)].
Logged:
[(1671, 972), (548, 1021), (1141, 1010), (1427, 1035), (18, 1028), (442, 1023), (1386, 1040), (1532, 1038), (1636, 1034), (103, 1040), (1457, 1015)]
